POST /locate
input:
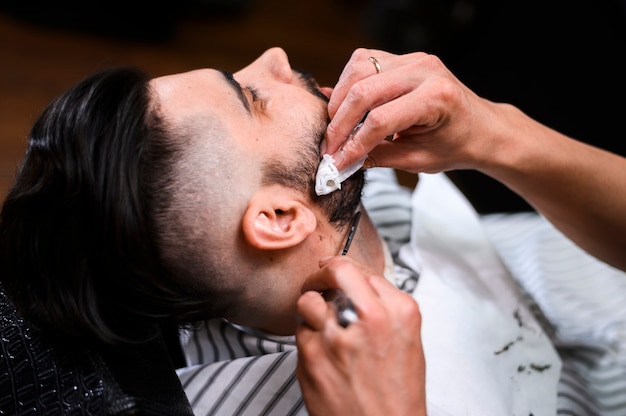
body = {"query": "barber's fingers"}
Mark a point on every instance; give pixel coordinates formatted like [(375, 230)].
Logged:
[(374, 366), (379, 304), (361, 99), (313, 310), (338, 272), (406, 314), (437, 130), (397, 114), (407, 111), (372, 295), (356, 87), (341, 272), (360, 67), (415, 153), (327, 91), (317, 324), (418, 91), (394, 101)]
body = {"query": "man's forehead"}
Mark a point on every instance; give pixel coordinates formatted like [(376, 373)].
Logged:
[(184, 94), (169, 82)]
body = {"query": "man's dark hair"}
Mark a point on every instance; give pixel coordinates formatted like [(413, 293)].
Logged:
[(90, 226), (77, 252)]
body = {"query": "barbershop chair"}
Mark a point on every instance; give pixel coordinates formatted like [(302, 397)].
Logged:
[(39, 378)]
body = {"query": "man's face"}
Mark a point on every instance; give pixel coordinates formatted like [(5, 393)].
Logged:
[(270, 112), (267, 112), (262, 106)]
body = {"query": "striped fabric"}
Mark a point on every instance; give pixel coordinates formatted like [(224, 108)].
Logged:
[(235, 371), (584, 300)]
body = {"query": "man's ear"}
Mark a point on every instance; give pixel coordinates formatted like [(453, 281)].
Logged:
[(275, 219)]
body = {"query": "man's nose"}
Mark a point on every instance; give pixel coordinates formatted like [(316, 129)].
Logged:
[(276, 60)]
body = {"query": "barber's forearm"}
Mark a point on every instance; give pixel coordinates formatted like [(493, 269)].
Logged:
[(580, 188)]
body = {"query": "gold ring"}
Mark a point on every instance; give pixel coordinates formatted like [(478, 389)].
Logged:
[(376, 64)]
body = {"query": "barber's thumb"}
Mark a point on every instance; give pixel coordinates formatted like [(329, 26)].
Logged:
[(323, 146), (311, 309)]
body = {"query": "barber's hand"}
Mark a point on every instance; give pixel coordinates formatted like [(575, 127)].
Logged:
[(376, 365), (436, 122)]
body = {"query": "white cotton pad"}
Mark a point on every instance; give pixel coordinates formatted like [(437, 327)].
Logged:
[(329, 179)]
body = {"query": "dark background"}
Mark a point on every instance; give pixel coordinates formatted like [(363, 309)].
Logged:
[(561, 62)]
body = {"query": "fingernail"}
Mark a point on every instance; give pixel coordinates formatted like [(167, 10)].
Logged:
[(339, 157), (323, 147)]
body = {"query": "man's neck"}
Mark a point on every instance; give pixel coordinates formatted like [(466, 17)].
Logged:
[(366, 246)]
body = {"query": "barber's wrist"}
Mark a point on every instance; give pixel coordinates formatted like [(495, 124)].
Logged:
[(505, 145)]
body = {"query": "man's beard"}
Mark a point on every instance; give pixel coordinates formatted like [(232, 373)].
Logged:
[(341, 204)]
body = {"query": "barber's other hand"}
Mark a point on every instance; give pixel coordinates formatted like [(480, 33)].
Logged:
[(376, 365), (436, 122)]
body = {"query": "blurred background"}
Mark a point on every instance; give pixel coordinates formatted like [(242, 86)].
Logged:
[(559, 61), (48, 46)]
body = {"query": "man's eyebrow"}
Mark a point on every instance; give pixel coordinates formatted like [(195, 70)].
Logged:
[(237, 88)]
